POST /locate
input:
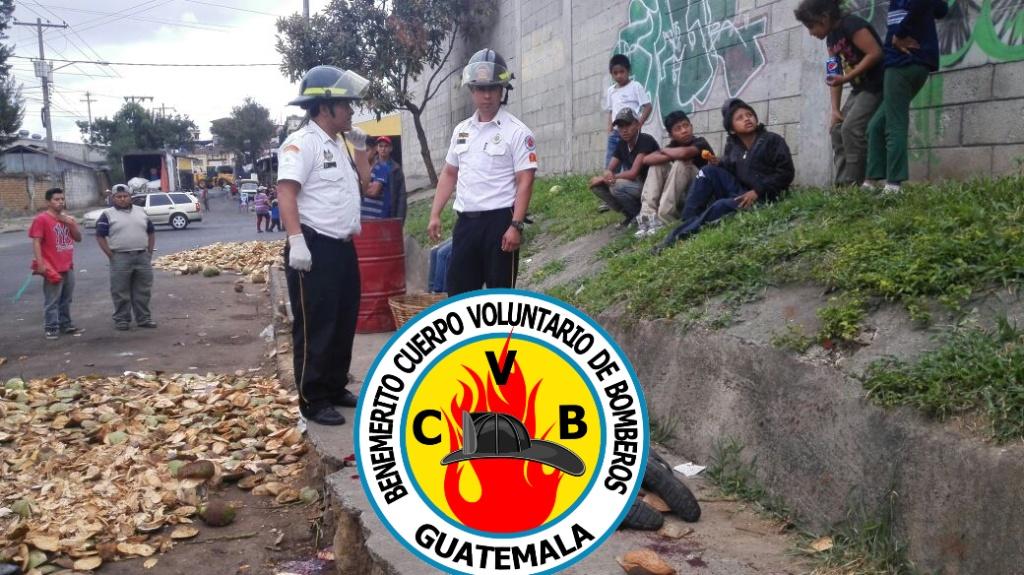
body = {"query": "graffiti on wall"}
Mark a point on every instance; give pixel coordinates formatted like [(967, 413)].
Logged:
[(996, 27), (679, 47)]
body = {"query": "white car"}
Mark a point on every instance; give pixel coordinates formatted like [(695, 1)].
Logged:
[(176, 209)]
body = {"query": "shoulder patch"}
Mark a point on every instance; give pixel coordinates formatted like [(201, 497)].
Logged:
[(533, 157), (531, 144), (291, 148)]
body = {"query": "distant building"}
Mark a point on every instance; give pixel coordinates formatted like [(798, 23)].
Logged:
[(81, 170)]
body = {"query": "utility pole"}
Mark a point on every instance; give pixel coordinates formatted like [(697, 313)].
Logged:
[(44, 70), (164, 108), (305, 11), (88, 106), (134, 99)]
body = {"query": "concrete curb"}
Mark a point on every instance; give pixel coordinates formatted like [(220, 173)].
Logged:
[(362, 544)]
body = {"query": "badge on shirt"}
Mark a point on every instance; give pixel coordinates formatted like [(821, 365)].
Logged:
[(496, 139), (533, 157), (291, 148), (461, 138), (329, 160), (530, 143)]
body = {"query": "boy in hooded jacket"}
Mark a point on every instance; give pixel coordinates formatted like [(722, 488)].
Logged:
[(756, 167)]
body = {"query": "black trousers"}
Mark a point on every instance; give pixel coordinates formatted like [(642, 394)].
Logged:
[(325, 304), (477, 259)]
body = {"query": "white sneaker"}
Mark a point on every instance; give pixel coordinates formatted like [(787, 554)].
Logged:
[(891, 189), (653, 228), (641, 224)]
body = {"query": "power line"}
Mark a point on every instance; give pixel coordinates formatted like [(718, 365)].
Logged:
[(50, 46), (197, 26), (111, 21), (236, 8), (157, 64), (79, 36)]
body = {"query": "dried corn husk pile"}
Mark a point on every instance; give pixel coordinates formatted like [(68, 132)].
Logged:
[(94, 468), (247, 258)]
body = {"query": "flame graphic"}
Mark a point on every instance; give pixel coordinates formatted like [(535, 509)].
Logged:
[(514, 495)]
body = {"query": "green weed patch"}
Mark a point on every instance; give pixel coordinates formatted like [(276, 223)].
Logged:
[(974, 371)]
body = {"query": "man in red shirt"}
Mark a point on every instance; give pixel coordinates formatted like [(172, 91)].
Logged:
[(54, 234)]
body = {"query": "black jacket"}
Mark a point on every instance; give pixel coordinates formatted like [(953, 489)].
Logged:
[(767, 167), (399, 197)]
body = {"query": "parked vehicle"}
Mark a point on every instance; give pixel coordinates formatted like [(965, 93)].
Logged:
[(176, 209)]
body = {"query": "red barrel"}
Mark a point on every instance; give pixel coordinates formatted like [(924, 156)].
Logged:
[(381, 250)]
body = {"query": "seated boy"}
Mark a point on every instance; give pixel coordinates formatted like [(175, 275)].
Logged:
[(672, 169), (756, 167), (621, 191)]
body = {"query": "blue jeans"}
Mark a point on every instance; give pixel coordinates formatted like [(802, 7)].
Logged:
[(712, 197), (57, 302), (613, 142), (439, 256)]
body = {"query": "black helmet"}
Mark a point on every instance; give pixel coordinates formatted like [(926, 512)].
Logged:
[(486, 68), (330, 83)]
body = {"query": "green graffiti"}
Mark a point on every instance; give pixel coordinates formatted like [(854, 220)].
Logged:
[(996, 27), (678, 47)]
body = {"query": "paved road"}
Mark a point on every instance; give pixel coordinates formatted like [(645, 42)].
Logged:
[(197, 316), (222, 223)]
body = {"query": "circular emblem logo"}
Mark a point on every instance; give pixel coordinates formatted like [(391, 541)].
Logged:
[(501, 430)]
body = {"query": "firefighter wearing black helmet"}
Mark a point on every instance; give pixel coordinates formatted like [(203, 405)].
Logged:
[(318, 186), (490, 167)]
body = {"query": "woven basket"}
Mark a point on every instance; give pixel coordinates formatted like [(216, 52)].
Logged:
[(404, 307)]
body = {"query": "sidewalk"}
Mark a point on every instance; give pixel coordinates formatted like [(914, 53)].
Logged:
[(22, 223), (728, 540)]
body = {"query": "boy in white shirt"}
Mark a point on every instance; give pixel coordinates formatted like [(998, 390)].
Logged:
[(624, 93)]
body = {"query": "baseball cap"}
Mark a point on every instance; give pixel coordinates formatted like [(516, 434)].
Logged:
[(625, 116), (383, 139)]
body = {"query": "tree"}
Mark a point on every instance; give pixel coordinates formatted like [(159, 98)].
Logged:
[(391, 43), (136, 128), (246, 131), (12, 105)]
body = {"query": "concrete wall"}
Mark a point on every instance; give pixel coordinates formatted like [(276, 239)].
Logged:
[(693, 54), (21, 192)]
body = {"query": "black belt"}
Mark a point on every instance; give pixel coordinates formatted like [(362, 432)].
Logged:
[(130, 251), (308, 230), (484, 213)]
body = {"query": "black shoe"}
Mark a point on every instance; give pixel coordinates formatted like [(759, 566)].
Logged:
[(121, 326), (52, 334), (325, 415), (660, 479), (625, 223), (70, 329), (345, 399), (603, 207), (642, 516), (148, 324)]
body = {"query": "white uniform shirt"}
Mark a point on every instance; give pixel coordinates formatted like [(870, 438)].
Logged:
[(632, 95), (488, 155), (329, 198)]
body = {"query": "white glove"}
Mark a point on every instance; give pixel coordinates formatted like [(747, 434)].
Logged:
[(356, 137), (299, 257)]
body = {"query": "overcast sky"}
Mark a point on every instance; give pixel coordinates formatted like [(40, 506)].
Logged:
[(154, 31)]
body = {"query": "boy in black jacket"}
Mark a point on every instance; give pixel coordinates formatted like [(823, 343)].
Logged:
[(756, 167)]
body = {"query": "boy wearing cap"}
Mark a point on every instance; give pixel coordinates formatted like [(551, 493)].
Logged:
[(385, 197), (672, 170), (621, 191), (756, 167)]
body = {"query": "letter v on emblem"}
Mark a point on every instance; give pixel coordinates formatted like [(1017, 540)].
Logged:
[(501, 372)]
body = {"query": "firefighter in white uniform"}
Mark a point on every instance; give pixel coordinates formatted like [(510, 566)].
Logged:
[(318, 186), (490, 167)]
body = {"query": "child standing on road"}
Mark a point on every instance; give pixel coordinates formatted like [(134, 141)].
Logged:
[(275, 217), (911, 53), (854, 41), (624, 93)]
